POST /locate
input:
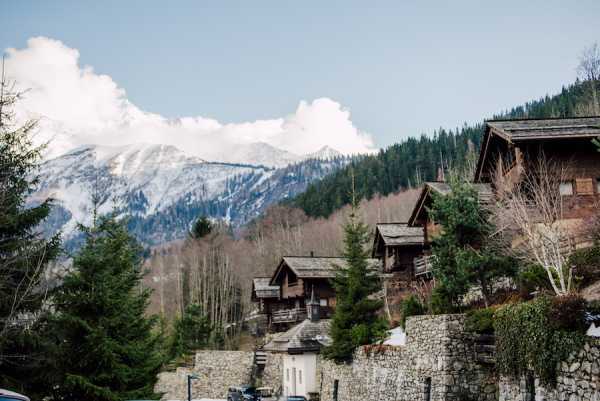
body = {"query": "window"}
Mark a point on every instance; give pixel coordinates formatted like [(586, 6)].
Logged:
[(287, 374), (566, 188), (529, 387), (323, 301), (292, 279), (598, 185), (427, 389), (336, 383), (584, 186), (299, 376)]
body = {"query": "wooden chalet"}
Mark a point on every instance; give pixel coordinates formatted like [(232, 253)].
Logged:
[(420, 217), (510, 146), (263, 294), (297, 277), (397, 244)]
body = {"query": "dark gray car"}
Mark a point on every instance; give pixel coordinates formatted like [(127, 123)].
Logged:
[(6, 395), (242, 393)]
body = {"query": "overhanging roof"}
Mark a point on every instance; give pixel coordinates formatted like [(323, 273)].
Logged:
[(529, 130), (484, 191), (313, 266)]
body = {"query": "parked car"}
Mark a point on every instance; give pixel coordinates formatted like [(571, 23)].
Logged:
[(242, 393), (296, 398), (6, 395)]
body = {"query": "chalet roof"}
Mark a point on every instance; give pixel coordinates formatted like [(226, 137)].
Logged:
[(315, 266), (531, 130), (306, 336), (399, 234), (550, 128), (262, 289), (484, 192)]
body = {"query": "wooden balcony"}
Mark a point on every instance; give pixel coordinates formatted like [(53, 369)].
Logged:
[(422, 265), (289, 315)]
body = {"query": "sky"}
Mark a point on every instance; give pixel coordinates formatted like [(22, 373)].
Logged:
[(354, 75)]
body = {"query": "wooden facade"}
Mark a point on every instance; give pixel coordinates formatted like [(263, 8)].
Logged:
[(420, 216), (296, 277), (513, 146)]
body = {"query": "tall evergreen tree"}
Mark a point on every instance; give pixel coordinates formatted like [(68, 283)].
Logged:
[(191, 331), (355, 321), (24, 252), (464, 254), (105, 346), (202, 227)]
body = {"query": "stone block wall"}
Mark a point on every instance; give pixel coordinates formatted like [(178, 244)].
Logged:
[(272, 374), (578, 380), (437, 363), (217, 371)]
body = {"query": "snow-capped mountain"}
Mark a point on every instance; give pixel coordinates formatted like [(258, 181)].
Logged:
[(258, 154), (162, 190), (325, 153)]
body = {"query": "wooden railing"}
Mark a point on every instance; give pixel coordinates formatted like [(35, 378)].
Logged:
[(289, 315), (422, 264)]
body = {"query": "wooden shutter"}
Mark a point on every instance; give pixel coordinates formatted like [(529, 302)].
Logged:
[(584, 186)]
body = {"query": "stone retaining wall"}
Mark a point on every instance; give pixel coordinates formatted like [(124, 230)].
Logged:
[(578, 380), (437, 363), (217, 371), (273, 372)]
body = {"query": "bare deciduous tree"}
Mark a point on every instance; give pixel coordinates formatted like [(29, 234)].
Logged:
[(589, 71), (529, 214)]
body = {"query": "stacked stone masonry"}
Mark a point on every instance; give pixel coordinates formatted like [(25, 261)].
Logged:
[(437, 363), (217, 371), (578, 380)]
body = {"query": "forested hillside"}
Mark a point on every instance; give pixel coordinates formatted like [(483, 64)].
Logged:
[(414, 160)]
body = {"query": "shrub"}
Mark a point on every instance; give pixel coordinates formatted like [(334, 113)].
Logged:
[(480, 321), (586, 265), (528, 336), (410, 306), (568, 313), (532, 278)]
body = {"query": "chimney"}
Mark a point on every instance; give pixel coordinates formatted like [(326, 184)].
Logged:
[(313, 308)]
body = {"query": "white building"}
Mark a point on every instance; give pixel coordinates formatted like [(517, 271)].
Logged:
[(300, 346)]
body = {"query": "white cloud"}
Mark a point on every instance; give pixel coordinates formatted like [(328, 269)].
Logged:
[(78, 106)]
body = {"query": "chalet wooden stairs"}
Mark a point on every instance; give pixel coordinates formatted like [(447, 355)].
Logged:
[(485, 349)]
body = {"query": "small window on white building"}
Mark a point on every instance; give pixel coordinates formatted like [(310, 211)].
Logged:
[(299, 377), (323, 301), (287, 374), (566, 188)]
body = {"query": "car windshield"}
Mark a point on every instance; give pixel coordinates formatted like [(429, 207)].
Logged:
[(249, 390), (296, 399)]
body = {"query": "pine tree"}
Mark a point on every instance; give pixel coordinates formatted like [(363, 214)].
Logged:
[(202, 227), (191, 331), (24, 252), (464, 253), (105, 348), (355, 321)]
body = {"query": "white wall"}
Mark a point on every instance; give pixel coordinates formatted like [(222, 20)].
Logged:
[(304, 368)]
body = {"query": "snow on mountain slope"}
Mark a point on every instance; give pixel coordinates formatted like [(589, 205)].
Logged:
[(325, 153), (259, 154), (162, 190)]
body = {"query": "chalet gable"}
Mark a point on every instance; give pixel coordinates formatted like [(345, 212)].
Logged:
[(261, 288), (502, 135), (310, 267), (419, 214), (395, 235)]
